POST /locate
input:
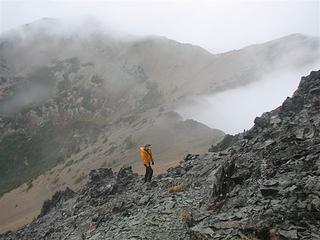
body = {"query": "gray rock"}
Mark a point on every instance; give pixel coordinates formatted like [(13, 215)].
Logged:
[(316, 204), (290, 235), (97, 236), (270, 183), (202, 231), (198, 216), (269, 192), (144, 200)]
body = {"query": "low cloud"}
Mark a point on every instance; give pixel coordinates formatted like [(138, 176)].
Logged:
[(234, 110)]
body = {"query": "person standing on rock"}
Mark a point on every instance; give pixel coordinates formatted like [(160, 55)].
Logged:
[(146, 156)]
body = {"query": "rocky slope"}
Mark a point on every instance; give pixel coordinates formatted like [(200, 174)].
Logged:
[(261, 184), (74, 100)]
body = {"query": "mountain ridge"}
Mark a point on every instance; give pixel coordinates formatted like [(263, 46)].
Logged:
[(263, 185), (80, 88), (72, 103)]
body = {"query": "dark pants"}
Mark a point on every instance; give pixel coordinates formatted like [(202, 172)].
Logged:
[(148, 175)]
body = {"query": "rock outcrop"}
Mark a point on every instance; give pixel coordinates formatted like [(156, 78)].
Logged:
[(264, 185)]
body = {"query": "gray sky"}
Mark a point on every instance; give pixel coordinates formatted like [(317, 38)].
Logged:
[(215, 25)]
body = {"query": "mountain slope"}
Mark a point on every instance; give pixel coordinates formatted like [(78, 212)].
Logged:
[(265, 184), (74, 100), (173, 69)]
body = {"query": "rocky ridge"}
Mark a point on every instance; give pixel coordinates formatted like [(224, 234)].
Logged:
[(264, 184)]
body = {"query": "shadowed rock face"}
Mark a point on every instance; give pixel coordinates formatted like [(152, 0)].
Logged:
[(265, 184)]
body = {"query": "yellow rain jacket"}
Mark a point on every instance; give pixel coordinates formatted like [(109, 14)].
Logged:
[(146, 156)]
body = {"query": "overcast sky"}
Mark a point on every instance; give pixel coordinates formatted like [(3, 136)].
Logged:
[(215, 25)]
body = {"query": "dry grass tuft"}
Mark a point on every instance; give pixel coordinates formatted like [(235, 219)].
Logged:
[(178, 188), (92, 227), (252, 237), (249, 237), (184, 216), (275, 238)]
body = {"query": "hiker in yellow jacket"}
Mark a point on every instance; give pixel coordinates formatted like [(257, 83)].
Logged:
[(146, 156)]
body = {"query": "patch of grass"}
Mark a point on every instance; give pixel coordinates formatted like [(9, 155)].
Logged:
[(83, 157), (252, 236), (44, 147), (97, 149), (129, 142), (47, 145), (275, 238), (249, 237), (110, 150), (104, 164), (180, 187), (79, 179), (185, 216), (69, 163), (55, 180)]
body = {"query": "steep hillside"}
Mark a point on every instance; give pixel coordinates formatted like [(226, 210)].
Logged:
[(77, 90), (182, 70), (261, 184), (74, 100)]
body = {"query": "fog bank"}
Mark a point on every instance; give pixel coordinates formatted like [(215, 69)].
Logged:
[(234, 110), (217, 26)]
